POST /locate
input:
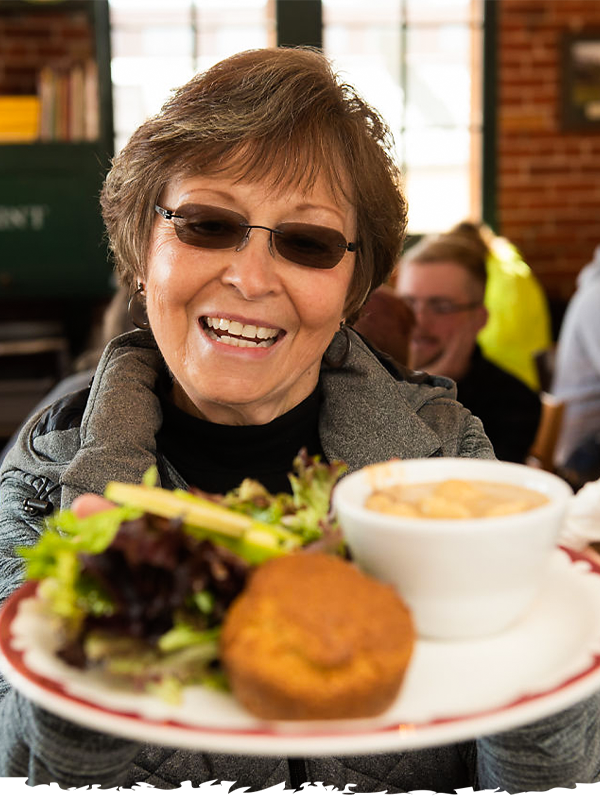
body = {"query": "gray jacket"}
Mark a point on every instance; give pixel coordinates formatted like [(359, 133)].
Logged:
[(368, 414)]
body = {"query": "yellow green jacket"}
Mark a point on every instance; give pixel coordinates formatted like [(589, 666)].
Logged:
[(519, 322)]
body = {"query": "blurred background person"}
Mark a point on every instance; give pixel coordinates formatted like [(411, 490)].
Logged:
[(519, 324), (577, 379), (443, 280)]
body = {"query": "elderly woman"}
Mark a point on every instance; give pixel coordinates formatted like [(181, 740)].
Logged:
[(251, 218)]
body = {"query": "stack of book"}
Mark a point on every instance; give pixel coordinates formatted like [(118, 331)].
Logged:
[(69, 103), (65, 108)]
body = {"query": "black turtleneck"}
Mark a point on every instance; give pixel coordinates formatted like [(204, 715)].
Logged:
[(216, 458)]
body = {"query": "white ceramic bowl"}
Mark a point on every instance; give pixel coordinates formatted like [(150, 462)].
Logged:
[(461, 578)]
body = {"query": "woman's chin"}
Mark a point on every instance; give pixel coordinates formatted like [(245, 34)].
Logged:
[(237, 402)]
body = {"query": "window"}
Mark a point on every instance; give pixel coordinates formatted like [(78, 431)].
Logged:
[(158, 45), (419, 63)]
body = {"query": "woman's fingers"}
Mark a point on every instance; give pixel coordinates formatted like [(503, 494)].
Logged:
[(87, 504), (592, 554)]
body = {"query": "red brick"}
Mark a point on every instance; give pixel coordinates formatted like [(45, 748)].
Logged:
[(548, 179)]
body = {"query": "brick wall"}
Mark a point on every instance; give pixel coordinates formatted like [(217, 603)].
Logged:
[(548, 178)]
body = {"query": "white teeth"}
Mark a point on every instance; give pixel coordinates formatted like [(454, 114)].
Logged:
[(236, 342), (238, 329), (250, 333)]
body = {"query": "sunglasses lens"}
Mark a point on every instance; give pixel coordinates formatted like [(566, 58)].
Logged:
[(309, 245), (215, 228), (208, 227)]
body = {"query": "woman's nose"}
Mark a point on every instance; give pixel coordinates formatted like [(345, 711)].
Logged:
[(252, 266)]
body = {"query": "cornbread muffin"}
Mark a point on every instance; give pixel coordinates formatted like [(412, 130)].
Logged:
[(312, 637)]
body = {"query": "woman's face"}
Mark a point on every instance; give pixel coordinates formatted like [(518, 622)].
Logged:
[(208, 309)]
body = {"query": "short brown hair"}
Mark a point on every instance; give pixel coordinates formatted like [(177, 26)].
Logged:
[(279, 112), (451, 247)]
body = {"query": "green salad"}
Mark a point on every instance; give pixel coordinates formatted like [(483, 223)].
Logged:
[(141, 589)]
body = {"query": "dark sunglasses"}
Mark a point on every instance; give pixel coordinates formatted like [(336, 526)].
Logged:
[(214, 228)]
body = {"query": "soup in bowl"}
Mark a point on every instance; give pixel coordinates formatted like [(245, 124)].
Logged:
[(466, 542)]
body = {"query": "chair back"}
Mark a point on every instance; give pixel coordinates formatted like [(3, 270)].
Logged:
[(545, 361), (541, 453)]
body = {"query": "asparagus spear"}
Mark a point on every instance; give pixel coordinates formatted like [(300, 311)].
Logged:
[(250, 537)]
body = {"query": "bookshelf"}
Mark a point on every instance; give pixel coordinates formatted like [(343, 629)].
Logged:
[(56, 141)]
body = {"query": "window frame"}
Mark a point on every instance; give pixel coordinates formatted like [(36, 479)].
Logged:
[(295, 13)]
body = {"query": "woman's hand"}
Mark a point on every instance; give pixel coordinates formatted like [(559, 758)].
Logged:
[(455, 360), (592, 554)]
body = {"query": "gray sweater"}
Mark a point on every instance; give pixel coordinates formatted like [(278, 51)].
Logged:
[(577, 370), (368, 414)]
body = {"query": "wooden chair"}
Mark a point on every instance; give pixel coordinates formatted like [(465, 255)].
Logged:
[(545, 361), (541, 454), (34, 356)]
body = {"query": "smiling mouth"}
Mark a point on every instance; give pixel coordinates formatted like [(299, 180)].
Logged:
[(228, 331)]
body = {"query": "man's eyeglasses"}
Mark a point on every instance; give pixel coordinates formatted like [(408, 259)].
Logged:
[(438, 306), (213, 228)]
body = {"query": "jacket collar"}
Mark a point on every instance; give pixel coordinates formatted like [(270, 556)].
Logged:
[(368, 414)]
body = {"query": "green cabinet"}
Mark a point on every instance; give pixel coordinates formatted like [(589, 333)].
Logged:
[(50, 226), (52, 243)]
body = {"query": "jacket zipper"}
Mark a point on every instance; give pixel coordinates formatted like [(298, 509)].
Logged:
[(298, 776)]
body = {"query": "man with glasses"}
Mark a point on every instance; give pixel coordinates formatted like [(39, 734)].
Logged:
[(442, 279)]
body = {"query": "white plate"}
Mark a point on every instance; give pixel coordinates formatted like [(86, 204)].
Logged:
[(452, 691)]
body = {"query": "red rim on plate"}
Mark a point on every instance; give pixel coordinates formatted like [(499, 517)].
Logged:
[(298, 738)]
